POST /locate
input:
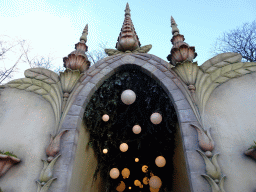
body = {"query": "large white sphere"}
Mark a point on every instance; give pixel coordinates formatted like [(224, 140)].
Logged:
[(123, 147), (156, 118), (136, 129), (155, 182), (105, 117), (114, 173), (160, 161), (128, 97)]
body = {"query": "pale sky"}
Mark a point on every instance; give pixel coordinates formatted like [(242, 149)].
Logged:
[(53, 27)]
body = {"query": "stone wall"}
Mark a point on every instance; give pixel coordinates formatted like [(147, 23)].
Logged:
[(26, 122), (231, 113)]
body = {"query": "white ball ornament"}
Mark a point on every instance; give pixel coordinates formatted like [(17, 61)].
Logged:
[(123, 147), (155, 182), (114, 173), (160, 161), (105, 117), (156, 118), (128, 97), (136, 129), (105, 151)]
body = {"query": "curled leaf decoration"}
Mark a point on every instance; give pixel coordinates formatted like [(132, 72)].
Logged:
[(47, 171), (214, 186), (45, 187), (206, 142), (212, 167), (54, 146)]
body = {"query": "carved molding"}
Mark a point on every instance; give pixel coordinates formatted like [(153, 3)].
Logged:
[(202, 80), (213, 171), (6, 162)]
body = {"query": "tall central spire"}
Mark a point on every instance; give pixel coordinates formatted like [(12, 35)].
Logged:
[(128, 39)]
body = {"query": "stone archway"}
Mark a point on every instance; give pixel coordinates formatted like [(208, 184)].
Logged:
[(160, 71)]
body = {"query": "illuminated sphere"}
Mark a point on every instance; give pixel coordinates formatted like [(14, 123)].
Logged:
[(105, 151), (125, 173), (105, 117), (130, 188), (128, 97), (137, 160), (137, 183), (145, 168), (121, 187), (160, 161), (145, 180), (136, 129), (114, 173), (123, 147), (141, 186), (156, 118), (155, 182)]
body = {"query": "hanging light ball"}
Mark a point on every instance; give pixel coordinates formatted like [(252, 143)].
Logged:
[(105, 151), (145, 168), (136, 160), (123, 147), (160, 161), (114, 173), (125, 173), (145, 180), (155, 182), (137, 183), (156, 118), (130, 188), (121, 187), (105, 117), (136, 129), (128, 97), (141, 186)]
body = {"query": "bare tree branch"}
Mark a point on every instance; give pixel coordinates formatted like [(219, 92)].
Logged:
[(240, 40), (96, 55)]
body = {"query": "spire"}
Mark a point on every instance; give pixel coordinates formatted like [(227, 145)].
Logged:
[(180, 51), (175, 30), (128, 39), (127, 10), (77, 60), (84, 34)]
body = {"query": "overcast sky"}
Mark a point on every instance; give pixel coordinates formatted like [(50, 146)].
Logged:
[(53, 27)]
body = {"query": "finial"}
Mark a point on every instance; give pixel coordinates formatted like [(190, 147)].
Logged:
[(128, 39), (180, 51), (175, 30), (127, 10), (84, 34), (78, 59)]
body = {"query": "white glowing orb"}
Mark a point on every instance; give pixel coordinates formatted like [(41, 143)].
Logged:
[(105, 151), (136, 160), (156, 118), (105, 117), (136, 129), (123, 147), (114, 173), (155, 182), (128, 97), (160, 161)]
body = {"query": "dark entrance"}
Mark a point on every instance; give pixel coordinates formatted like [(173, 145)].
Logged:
[(153, 141)]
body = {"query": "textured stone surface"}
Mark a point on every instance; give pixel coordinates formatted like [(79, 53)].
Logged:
[(187, 115), (71, 122)]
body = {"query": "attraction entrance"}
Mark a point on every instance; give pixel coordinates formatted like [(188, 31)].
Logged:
[(132, 124)]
